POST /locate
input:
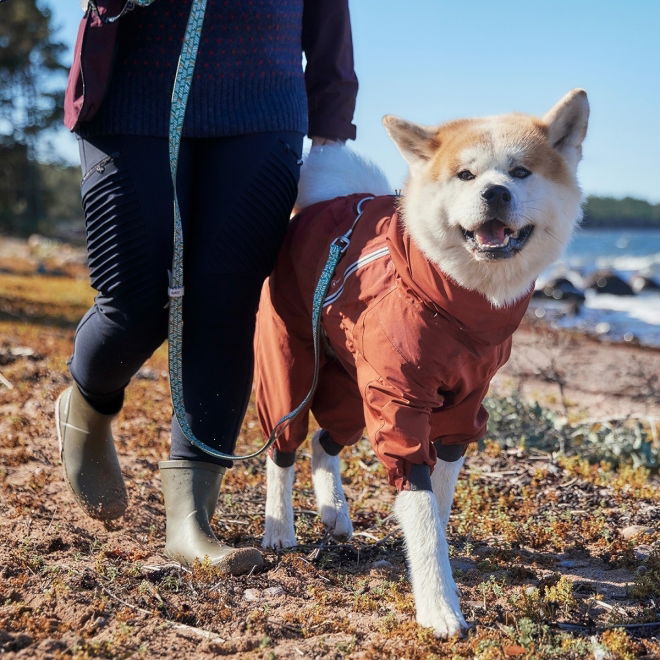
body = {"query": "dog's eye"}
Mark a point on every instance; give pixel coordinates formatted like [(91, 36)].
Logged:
[(465, 175), (520, 172)]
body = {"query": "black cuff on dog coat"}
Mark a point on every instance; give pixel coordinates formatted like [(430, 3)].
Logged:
[(329, 445), (283, 459), (419, 477), (449, 453)]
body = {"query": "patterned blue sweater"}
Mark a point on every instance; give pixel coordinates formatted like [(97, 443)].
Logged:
[(249, 76)]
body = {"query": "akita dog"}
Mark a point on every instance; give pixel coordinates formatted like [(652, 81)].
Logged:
[(418, 317)]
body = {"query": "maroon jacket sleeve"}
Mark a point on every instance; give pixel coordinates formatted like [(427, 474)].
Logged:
[(329, 75), (92, 62)]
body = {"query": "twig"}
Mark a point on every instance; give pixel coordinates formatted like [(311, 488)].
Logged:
[(579, 626), (602, 603), (5, 382), (226, 521)]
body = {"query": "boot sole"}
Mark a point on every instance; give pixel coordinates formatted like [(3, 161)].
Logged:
[(234, 563)]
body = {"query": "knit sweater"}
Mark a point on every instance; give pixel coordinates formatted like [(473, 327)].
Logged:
[(248, 77)]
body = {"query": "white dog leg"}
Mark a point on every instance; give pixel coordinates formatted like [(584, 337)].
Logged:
[(279, 531), (330, 499), (443, 480), (436, 600)]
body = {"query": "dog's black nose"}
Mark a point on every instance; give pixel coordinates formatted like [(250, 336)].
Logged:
[(496, 195)]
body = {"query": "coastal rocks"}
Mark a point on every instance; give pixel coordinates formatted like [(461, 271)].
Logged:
[(558, 295), (641, 283), (607, 281)]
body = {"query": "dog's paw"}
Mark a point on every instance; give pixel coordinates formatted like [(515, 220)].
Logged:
[(445, 620), (334, 516), (278, 535)]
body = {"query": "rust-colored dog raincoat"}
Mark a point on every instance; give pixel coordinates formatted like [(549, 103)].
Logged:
[(408, 352)]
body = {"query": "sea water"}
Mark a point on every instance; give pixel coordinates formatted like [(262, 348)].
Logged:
[(627, 252)]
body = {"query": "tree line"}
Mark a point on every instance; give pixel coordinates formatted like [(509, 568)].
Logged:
[(629, 212)]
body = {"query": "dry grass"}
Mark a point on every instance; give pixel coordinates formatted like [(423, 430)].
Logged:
[(538, 555)]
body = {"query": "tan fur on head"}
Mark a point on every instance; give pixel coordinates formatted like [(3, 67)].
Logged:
[(440, 208)]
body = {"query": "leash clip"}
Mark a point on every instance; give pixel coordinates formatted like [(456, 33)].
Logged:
[(342, 242)]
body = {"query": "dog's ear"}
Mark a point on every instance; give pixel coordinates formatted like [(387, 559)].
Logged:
[(416, 143), (566, 123)]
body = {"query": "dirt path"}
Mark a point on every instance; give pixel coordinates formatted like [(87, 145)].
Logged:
[(537, 541)]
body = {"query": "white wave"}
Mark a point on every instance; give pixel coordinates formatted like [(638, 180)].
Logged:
[(644, 307), (646, 262), (619, 317)]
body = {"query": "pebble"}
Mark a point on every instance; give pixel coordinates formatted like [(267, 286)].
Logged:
[(642, 553), (273, 591), (381, 563), (632, 531), (572, 563), (251, 594)]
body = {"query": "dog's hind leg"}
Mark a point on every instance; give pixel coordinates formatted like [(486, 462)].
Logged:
[(436, 600), (330, 499), (279, 530)]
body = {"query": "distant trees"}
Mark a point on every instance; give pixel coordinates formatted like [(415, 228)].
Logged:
[(627, 212), (31, 93)]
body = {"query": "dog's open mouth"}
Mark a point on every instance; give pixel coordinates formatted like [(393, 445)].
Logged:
[(495, 240)]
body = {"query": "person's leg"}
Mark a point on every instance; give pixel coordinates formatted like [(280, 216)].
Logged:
[(244, 188), (126, 193), (243, 191), (127, 200)]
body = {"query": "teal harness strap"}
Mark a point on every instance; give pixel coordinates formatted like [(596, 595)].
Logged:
[(182, 84)]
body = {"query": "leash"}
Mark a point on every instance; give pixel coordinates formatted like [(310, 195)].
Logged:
[(180, 94)]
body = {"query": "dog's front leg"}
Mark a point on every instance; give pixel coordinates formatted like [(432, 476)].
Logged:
[(279, 530), (443, 480), (436, 600)]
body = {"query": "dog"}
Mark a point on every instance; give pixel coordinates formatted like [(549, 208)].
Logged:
[(418, 316)]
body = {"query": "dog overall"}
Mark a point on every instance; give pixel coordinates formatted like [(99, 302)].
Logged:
[(406, 351)]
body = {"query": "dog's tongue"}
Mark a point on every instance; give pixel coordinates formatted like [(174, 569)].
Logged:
[(491, 233)]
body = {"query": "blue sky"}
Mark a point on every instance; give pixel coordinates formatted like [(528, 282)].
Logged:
[(432, 60)]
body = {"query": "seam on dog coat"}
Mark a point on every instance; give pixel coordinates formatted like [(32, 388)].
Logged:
[(410, 352)]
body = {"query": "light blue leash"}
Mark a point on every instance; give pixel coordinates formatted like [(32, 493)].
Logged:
[(182, 83)]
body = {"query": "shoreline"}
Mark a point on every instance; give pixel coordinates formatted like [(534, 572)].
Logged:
[(581, 376)]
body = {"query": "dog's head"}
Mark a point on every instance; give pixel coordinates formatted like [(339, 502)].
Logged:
[(493, 201)]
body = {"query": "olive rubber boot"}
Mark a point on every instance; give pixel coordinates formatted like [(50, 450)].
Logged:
[(87, 452), (190, 491)]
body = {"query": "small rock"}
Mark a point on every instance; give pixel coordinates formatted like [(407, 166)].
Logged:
[(381, 563), (251, 594), (147, 373), (572, 563), (632, 531), (273, 591), (642, 553)]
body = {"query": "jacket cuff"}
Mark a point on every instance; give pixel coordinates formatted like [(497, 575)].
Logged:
[(331, 128)]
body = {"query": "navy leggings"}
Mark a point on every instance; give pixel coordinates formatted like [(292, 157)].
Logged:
[(236, 194)]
